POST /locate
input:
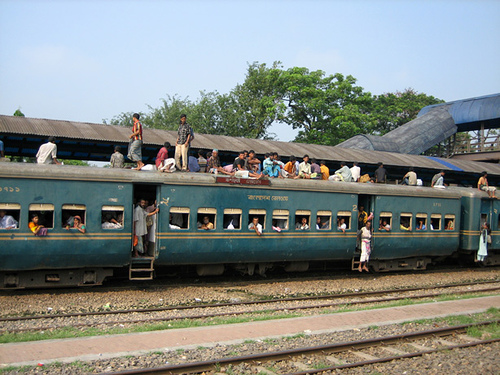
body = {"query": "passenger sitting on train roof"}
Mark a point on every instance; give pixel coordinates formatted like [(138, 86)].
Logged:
[(341, 225), (305, 168), (421, 225), (438, 180), (290, 168), (270, 167), (253, 162), (193, 165), (241, 172), (482, 184), (355, 172), (202, 162), (206, 225), (410, 178), (38, 230), (213, 164), (303, 225), (344, 172), (325, 171), (7, 221), (315, 169), (77, 224), (384, 226), (162, 156), (254, 225), (280, 165), (47, 153), (117, 160)]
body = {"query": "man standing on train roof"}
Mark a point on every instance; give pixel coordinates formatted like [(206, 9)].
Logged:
[(380, 174), (182, 144), (438, 180), (140, 227), (355, 172), (135, 144), (482, 184), (47, 153)]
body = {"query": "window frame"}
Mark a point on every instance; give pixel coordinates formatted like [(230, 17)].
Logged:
[(341, 214), (110, 208), (439, 217), (325, 214), (406, 215), (386, 215), (423, 216), (8, 208), (211, 212), (259, 212), (180, 211), (232, 211), (281, 214), (41, 207), (301, 214)]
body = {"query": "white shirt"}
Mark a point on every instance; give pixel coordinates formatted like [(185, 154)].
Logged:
[(140, 221), (259, 227), (356, 173), (8, 222), (46, 153)]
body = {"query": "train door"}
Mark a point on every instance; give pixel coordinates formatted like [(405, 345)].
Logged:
[(145, 241), (366, 205), (486, 212)]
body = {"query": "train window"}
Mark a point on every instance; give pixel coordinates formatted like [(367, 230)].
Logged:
[(179, 218), (302, 219), (324, 220), (385, 221), (435, 221), (10, 215), (405, 222), (449, 222), (206, 218), (344, 217), (69, 211), (232, 218), (259, 214), (45, 213), (421, 222), (112, 217), (280, 219)]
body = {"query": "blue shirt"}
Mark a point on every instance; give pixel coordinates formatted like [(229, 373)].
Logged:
[(193, 165)]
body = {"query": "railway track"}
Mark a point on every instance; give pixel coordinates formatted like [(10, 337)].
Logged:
[(206, 311), (320, 359)]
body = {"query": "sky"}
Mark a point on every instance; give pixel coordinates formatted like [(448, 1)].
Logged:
[(89, 60)]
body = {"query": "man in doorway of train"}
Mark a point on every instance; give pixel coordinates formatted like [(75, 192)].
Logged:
[(47, 153), (438, 180), (182, 144), (362, 217), (380, 174), (410, 178), (135, 143), (355, 172), (254, 225), (7, 221), (117, 160), (365, 238), (482, 184), (140, 227), (305, 168)]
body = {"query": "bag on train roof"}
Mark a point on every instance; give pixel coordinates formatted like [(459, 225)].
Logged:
[(364, 178)]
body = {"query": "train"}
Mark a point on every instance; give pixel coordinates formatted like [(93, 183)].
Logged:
[(452, 218)]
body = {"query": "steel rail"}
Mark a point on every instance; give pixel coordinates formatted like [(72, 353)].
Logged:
[(234, 313), (203, 366), (212, 305)]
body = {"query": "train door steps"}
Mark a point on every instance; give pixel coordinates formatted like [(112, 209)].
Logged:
[(355, 261), (141, 268)]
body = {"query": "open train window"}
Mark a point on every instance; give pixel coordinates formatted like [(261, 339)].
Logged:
[(206, 218), (421, 222), (10, 215), (385, 221), (69, 211), (179, 218), (112, 217), (343, 220), (302, 219), (232, 218), (45, 213), (405, 221), (259, 214), (449, 222), (324, 220), (280, 219), (435, 221)]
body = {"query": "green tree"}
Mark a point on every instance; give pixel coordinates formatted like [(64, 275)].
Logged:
[(392, 110), (18, 113)]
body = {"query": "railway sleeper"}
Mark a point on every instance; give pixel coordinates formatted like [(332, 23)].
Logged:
[(57, 278), (399, 264)]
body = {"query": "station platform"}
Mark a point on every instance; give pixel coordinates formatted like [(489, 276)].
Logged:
[(100, 347)]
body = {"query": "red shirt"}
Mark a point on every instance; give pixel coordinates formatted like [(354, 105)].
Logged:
[(162, 155), (137, 126)]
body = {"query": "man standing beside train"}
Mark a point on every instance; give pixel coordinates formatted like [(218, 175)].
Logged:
[(182, 144), (140, 227), (135, 145)]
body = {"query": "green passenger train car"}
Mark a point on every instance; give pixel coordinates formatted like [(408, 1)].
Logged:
[(425, 224)]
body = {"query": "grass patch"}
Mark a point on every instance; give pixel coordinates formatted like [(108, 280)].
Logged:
[(70, 332)]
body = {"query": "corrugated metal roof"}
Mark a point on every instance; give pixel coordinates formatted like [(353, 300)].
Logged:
[(111, 134)]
